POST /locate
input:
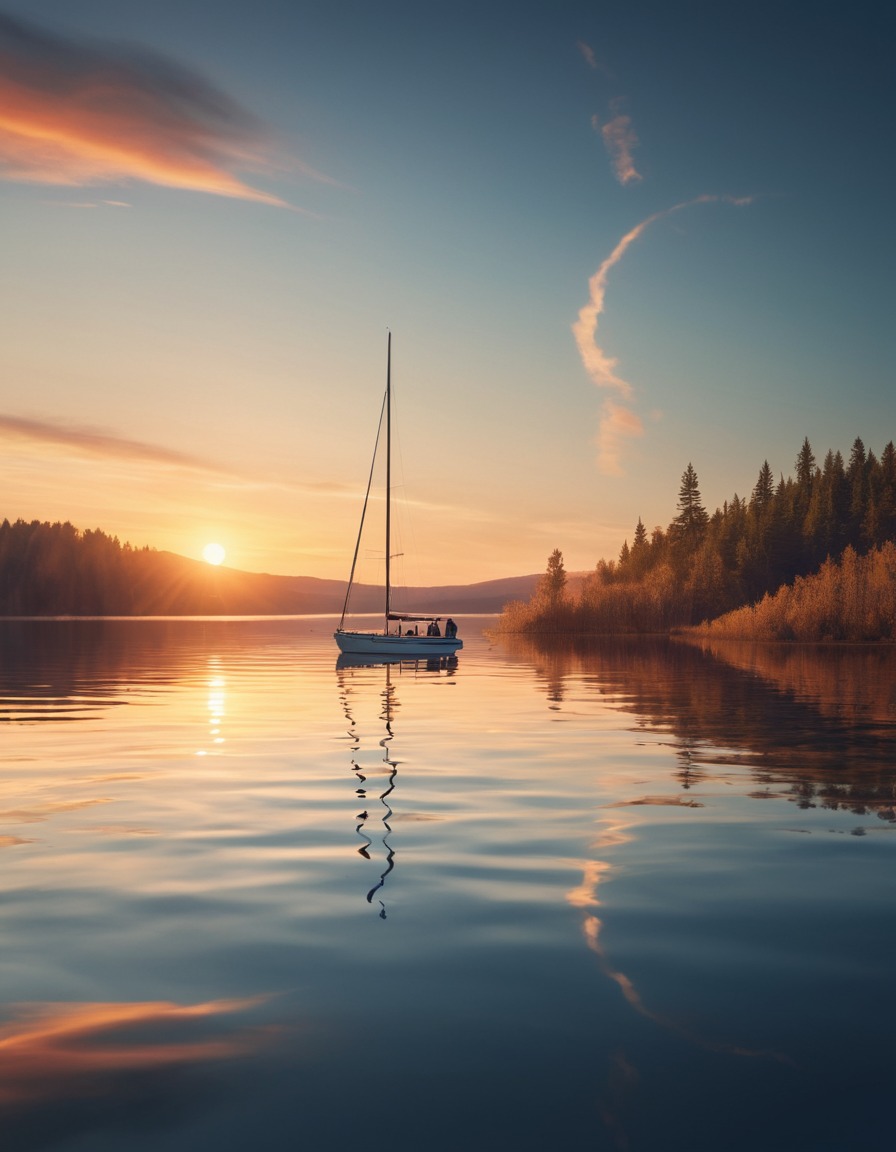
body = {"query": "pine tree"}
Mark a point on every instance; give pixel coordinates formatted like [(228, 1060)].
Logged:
[(806, 470), (887, 498), (689, 526), (639, 557), (764, 491), (805, 466), (553, 583), (857, 485)]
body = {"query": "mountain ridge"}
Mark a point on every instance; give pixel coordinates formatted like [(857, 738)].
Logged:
[(236, 592)]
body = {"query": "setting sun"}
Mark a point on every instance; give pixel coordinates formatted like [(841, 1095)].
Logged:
[(213, 553)]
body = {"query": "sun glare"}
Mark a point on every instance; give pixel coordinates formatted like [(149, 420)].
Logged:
[(213, 553)]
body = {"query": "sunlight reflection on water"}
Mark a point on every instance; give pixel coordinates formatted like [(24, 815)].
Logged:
[(614, 893)]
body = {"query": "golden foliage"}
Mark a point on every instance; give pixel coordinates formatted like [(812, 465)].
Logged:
[(853, 599)]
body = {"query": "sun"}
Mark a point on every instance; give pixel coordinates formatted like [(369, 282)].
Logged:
[(213, 554)]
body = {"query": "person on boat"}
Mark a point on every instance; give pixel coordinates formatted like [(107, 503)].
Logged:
[(450, 628), (433, 629)]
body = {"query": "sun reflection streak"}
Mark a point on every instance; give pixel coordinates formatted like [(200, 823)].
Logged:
[(216, 705)]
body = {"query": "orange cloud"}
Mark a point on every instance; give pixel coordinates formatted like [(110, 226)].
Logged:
[(599, 366), (72, 113), (617, 421)]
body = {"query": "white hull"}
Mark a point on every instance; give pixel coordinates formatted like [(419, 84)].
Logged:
[(403, 647)]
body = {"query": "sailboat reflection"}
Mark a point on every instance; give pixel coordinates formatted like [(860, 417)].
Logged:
[(357, 677), (429, 664)]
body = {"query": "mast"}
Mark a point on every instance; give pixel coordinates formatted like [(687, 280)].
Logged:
[(388, 477), (351, 578)]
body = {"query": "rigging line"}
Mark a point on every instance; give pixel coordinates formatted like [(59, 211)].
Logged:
[(351, 577), (402, 523)]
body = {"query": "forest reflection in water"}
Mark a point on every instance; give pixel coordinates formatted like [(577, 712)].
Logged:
[(720, 926), (618, 894), (818, 720)]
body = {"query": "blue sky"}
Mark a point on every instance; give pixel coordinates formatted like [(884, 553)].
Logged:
[(608, 240)]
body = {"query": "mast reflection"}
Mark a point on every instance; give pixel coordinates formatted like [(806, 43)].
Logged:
[(359, 676)]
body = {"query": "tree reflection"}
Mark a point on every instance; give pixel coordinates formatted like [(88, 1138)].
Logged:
[(819, 721)]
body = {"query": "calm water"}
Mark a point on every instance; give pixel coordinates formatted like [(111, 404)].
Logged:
[(608, 896)]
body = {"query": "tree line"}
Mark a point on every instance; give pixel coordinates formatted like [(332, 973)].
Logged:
[(57, 569), (702, 566)]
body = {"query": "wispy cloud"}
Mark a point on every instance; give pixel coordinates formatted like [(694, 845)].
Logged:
[(93, 442), (77, 113), (591, 58), (617, 133), (587, 54), (619, 422), (38, 437), (620, 141)]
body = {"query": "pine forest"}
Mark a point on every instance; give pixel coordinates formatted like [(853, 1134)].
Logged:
[(810, 557)]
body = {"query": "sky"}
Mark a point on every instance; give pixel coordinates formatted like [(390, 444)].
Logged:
[(608, 241)]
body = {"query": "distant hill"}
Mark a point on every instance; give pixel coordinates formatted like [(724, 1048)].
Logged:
[(57, 570), (232, 592)]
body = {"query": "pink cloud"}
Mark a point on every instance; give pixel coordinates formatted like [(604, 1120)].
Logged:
[(93, 442), (73, 114), (620, 141), (587, 54)]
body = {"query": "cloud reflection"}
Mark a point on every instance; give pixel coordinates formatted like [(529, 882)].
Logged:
[(585, 896), (51, 1052)]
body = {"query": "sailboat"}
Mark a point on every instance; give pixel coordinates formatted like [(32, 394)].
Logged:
[(402, 636)]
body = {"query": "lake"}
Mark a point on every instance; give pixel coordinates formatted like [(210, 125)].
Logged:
[(632, 895)]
